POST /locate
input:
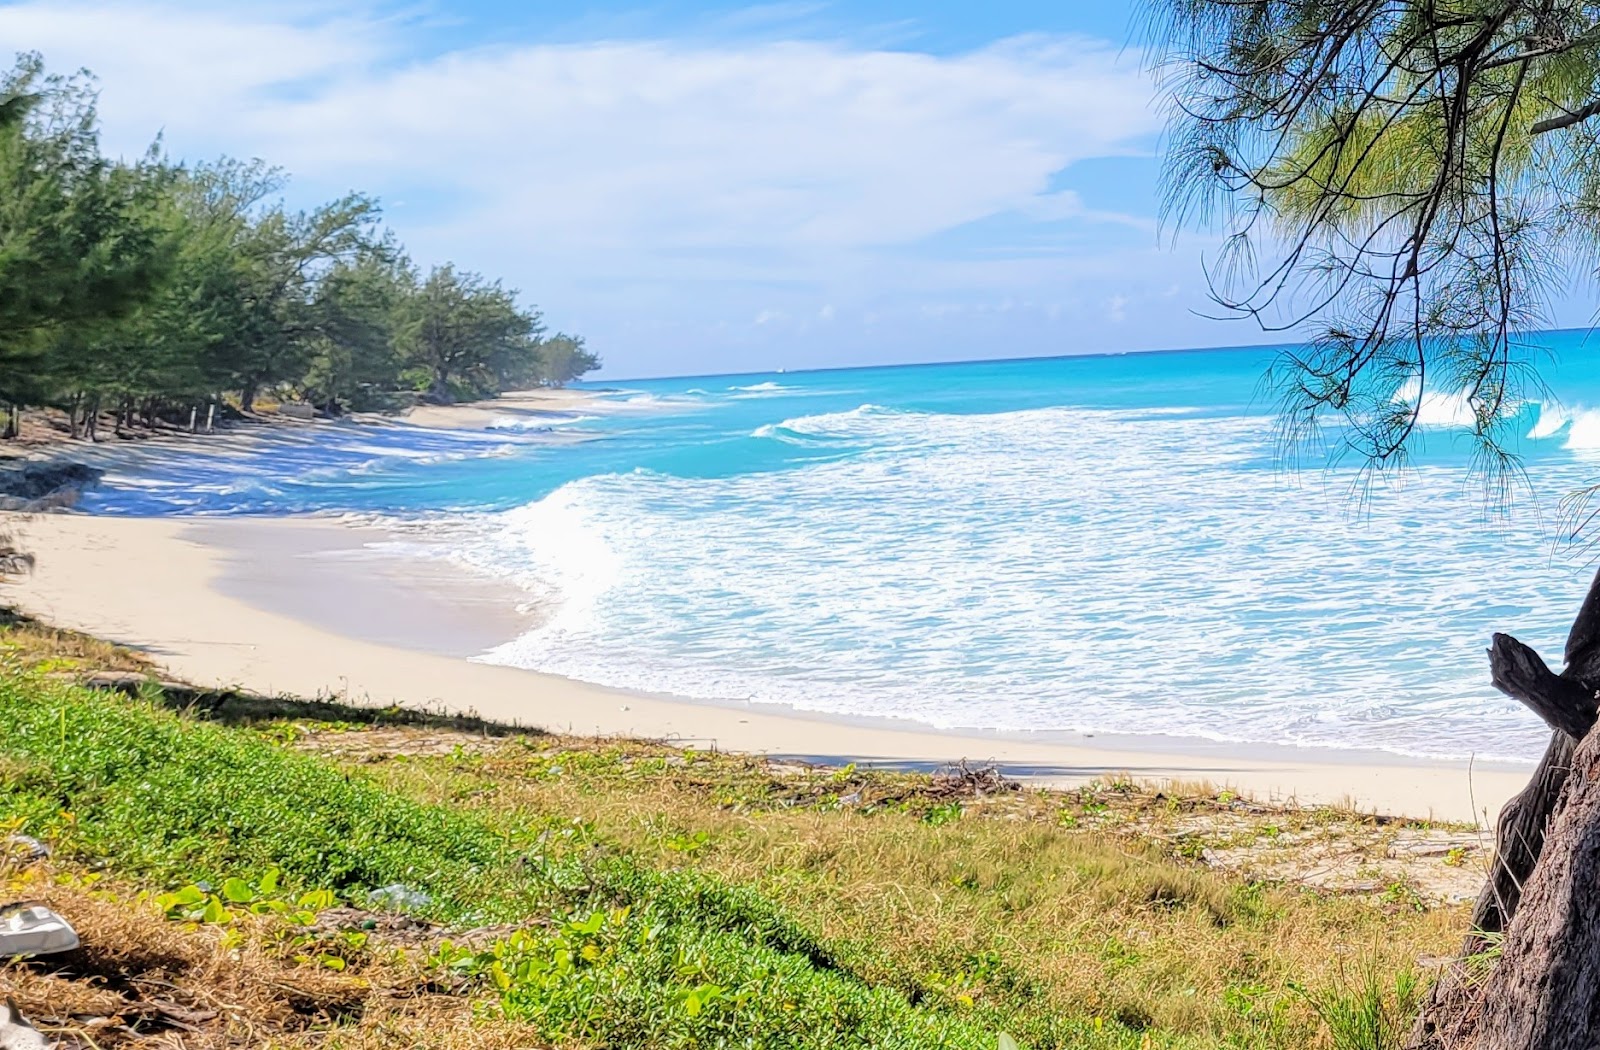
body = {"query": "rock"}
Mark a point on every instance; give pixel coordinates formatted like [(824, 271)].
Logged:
[(16, 1033), (44, 486), (25, 848), (399, 898), (28, 929), (1429, 849)]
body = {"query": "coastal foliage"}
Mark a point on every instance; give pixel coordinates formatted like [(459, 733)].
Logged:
[(640, 895), (1405, 180), (147, 286)]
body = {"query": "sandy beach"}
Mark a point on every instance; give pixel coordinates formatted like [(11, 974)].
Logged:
[(305, 606), (516, 408)]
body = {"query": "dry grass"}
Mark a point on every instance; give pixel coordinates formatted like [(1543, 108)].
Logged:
[(141, 980), (1096, 900), (1188, 914), (40, 646)]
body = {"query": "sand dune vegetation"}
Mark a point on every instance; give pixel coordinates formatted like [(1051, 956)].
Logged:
[(228, 859)]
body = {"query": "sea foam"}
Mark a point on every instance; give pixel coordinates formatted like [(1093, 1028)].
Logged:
[(1049, 570)]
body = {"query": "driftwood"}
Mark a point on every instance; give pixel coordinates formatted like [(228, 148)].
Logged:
[(1567, 703)]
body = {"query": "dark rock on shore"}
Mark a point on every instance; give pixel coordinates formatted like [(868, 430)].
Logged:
[(45, 486)]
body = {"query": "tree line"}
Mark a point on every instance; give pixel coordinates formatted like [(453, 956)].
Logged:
[(152, 289)]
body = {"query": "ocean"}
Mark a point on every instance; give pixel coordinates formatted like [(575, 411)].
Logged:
[(1105, 544)]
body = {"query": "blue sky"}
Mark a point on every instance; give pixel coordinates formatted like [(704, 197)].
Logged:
[(701, 187)]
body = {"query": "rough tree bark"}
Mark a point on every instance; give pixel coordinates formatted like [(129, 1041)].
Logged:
[(1544, 993), (1566, 702)]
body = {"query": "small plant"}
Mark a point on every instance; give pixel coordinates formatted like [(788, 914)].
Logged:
[(1402, 894), (687, 843), (559, 977), (1480, 962), (943, 813), (1373, 1014), (199, 903), (1455, 856)]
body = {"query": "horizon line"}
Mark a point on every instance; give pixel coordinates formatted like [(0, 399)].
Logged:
[(993, 360)]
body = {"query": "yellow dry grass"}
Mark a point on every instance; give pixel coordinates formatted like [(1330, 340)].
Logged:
[(1181, 911), (1087, 895)]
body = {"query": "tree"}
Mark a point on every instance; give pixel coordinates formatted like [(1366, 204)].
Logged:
[(152, 287), (465, 332), (356, 313), (282, 256), (563, 358), (1415, 172), (79, 247)]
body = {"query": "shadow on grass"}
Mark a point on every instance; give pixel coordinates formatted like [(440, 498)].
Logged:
[(237, 708), (129, 673), (230, 707)]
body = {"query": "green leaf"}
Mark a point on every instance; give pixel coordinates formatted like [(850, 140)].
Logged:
[(186, 896), (238, 891), (215, 911)]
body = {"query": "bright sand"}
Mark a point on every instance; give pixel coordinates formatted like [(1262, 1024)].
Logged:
[(301, 606), (518, 406)]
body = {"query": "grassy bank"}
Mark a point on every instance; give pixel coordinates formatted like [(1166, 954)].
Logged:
[(622, 894)]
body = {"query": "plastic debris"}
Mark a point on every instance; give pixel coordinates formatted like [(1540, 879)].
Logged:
[(399, 898), (33, 929), (15, 1031), (26, 848)]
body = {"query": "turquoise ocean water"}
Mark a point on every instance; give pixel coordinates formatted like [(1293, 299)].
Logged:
[(1106, 544)]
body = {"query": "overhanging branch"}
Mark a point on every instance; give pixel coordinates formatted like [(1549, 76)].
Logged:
[(1566, 120)]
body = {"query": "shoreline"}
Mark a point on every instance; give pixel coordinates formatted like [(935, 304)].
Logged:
[(241, 602), (516, 407), (44, 443)]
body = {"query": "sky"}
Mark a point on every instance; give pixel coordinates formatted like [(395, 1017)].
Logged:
[(700, 187)]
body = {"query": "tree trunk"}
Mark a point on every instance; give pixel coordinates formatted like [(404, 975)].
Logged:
[(1544, 994), (93, 416), (13, 421), (1519, 838), (74, 418), (247, 398), (1567, 703)]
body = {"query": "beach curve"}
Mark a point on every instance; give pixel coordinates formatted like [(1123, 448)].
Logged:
[(162, 586)]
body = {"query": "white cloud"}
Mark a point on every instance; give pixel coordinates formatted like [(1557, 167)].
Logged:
[(776, 144), (634, 168), (192, 70)]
